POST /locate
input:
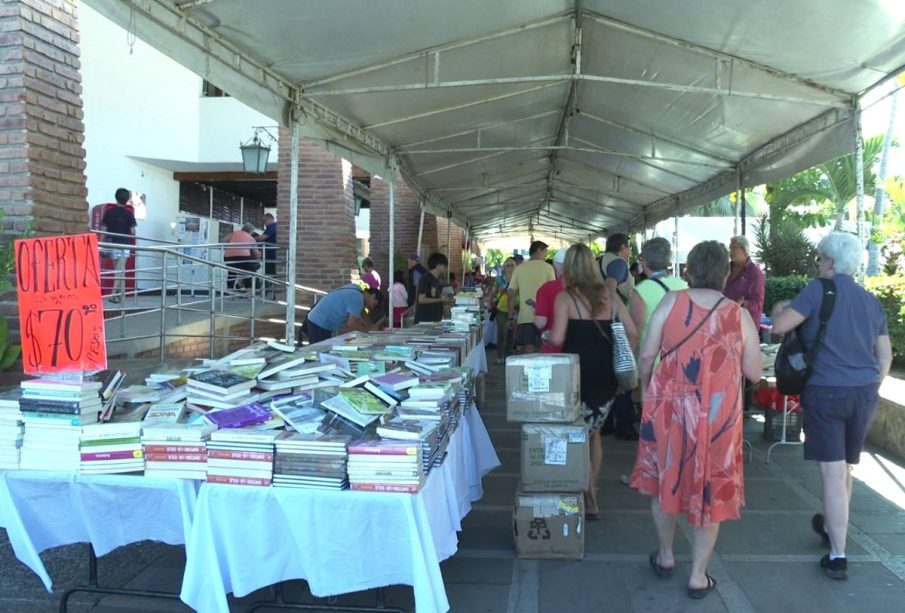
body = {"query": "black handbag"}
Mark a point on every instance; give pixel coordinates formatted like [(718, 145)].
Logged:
[(794, 361)]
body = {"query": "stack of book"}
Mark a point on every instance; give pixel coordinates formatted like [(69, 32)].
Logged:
[(219, 389), (427, 433), (111, 448), (10, 429), (380, 465), (311, 460), (54, 412), (241, 456), (176, 450)]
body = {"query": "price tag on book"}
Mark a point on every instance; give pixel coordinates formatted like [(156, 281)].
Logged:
[(539, 378), (61, 316), (555, 450)]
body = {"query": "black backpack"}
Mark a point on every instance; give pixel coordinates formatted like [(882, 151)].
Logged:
[(794, 361)]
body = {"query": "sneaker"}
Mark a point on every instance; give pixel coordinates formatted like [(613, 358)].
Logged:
[(817, 525), (835, 569)]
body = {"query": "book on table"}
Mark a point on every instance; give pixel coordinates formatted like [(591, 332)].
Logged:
[(220, 381), (301, 418), (237, 417), (280, 361), (172, 412), (401, 429), (396, 381), (339, 405)]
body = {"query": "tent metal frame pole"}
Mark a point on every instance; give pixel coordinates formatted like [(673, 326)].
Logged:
[(293, 233), (859, 178), (420, 230), (389, 272), (448, 240)]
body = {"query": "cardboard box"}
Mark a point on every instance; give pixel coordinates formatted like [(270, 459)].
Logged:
[(549, 526), (555, 457), (543, 388)]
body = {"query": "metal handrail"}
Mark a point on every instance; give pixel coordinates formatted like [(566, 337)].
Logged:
[(215, 286)]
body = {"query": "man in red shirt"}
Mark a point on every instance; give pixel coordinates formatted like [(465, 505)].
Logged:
[(546, 297)]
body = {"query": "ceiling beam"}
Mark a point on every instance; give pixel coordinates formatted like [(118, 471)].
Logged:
[(268, 176), (471, 161), (648, 83), (647, 161), (426, 54), (464, 105), (618, 177), (477, 131), (656, 137)]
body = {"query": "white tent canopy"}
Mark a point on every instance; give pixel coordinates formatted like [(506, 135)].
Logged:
[(571, 118)]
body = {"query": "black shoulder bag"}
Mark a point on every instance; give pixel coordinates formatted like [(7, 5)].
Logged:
[(794, 361)]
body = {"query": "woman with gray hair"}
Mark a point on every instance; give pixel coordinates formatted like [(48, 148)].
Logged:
[(655, 258), (690, 452), (842, 394)]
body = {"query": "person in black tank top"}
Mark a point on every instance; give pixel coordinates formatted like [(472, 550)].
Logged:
[(584, 312)]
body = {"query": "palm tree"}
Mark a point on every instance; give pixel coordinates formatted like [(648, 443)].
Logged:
[(832, 183)]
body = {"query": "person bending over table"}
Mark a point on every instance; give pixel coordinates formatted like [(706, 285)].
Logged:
[(841, 396), (343, 309)]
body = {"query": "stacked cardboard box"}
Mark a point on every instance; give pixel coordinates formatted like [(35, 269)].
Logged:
[(542, 391)]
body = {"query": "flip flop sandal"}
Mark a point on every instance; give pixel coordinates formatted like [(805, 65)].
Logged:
[(702, 592), (662, 572)]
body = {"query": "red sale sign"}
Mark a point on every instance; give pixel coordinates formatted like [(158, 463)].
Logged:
[(61, 317)]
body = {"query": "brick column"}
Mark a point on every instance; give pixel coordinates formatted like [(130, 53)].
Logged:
[(326, 238), (408, 215), (42, 162), (455, 252)]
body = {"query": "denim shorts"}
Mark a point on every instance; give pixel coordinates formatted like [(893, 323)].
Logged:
[(527, 334), (836, 420)]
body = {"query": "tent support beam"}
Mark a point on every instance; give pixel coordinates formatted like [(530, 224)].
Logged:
[(464, 105), (720, 55), (555, 79), (859, 179), (655, 137), (293, 233), (424, 53), (392, 246), (472, 160), (591, 149), (403, 149)]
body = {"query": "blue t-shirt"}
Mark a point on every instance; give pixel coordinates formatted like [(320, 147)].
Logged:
[(617, 269), (848, 357), (333, 310), (270, 237)]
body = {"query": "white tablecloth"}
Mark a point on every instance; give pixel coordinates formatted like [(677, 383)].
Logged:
[(246, 538), (41, 510), (477, 359)]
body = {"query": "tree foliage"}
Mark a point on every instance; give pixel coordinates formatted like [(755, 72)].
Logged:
[(831, 186), (783, 247)]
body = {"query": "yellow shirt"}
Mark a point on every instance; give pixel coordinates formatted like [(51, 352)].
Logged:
[(527, 279)]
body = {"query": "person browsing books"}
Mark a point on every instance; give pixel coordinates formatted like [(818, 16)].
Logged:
[(343, 309), (430, 303)]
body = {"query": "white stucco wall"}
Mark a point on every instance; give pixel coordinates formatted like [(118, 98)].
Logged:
[(138, 103)]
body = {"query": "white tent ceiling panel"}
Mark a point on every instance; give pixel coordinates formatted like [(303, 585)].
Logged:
[(658, 109), (830, 42), (311, 39)]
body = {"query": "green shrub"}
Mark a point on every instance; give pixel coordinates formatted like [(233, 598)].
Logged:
[(782, 288), (891, 293)]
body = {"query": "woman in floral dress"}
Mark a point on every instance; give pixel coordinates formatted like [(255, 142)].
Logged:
[(690, 451)]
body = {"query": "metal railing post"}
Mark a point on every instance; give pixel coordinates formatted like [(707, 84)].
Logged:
[(213, 315), (254, 292), (163, 307), (180, 262)]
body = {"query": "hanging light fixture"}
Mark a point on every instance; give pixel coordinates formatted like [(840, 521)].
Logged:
[(255, 152)]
